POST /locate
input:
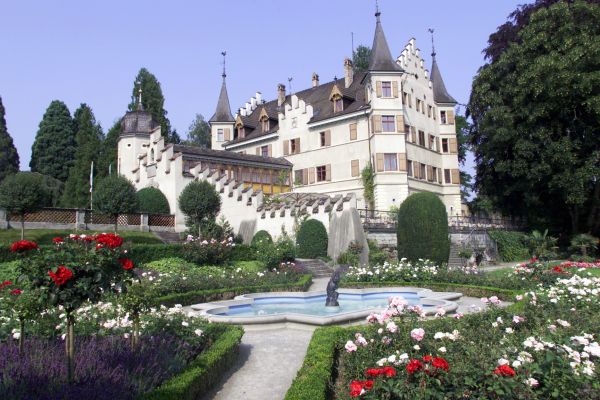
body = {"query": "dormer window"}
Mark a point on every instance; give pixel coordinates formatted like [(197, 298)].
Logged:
[(338, 104), (265, 125), (241, 132), (386, 89)]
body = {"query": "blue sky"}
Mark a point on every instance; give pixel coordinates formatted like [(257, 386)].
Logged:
[(81, 51)]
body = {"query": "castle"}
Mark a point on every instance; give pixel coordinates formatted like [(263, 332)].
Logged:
[(310, 147)]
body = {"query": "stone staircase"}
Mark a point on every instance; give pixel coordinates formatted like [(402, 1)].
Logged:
[(454, 260), (318, 268), (168, 237)]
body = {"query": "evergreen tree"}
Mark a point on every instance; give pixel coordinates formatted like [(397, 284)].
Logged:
[(88, 135), (53, 150), (152, 99), (199, 133), (9, 158), (108, 159), (360, 58)]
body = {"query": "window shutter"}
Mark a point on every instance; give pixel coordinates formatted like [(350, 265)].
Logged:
[(377, 123), (438, 147), (354, 169), (258, 151), (328, 137), (286, 147), (270, 150), (395, 88), (409, 100), (305, 176), (297, 145), (378, 88), (434, 113), (455, 176), (352, 131), (227, 132), (430, 173), (413, 134), (439, 175), (453, 146), (379, 162), (402, 161), (311, 175), (328, 172), (416, 169), (399, 123), (450, 116)]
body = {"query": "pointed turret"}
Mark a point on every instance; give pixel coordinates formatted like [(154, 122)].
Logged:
[(381, 58), (223, 112), (440, 94)]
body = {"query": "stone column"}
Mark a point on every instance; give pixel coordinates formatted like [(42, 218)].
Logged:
[(80, 219), (144, 227), (3, 220)]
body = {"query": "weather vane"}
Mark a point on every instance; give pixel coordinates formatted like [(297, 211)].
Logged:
[(432, 43), (290, 84), (224, 53)]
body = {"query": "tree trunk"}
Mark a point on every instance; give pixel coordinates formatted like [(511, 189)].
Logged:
[(22, 226), (135, 335), (199, 229), (574, 214), (21, 335), (70, 348), (594, 215)]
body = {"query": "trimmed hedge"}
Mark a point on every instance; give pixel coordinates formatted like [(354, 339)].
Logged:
[(312, 239), (204, 372), (242, 252), (144, 253), (153, 201), (315, 377), (423, 228), (512, 246), (260, 236), (204, 296)]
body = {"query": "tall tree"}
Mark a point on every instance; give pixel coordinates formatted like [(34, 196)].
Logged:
[(360, 58), (53, 150), (108, 162), (462, 132), (152, 99), (199, 133), (9, 158), (536, 112), (88, 137)]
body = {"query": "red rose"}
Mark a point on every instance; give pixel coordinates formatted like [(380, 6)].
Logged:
[(440, 363), (126, 263), (427, 358), (57, 240), (22, 246), (16, 292), (356, 388), (368, 384), (109, 240), (388, 371), (6, 283), (373, 372), (413, 366), (505, 370), (61, 276)]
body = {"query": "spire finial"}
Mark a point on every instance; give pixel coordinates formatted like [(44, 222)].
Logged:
[(139, 98), (432, 43), (377, 12), (224, 53)]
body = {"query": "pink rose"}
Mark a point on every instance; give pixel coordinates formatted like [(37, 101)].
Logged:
[(350, 346), (392, 327), (417, 334)]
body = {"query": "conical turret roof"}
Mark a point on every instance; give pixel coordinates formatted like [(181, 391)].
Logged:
[(440, 94), (381, 57), (223, 112)]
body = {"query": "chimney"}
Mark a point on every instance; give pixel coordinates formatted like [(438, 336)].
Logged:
[(280, 94), (248, 108), (259, 99), (252, 103), (348, 72), (315, 79)]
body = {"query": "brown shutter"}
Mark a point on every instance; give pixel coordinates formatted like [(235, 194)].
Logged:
[(377, 123), (416, 169), (328, 137), (227, 132), (297, 145), (305, 176), (286, 147), (395, 88), (402, 161), (328, 172), (378, 88), (455, 176), (453, 146), (258, 151), (311, 175), (352, 131), (354, 168), (450, 117), (270, 150), (379, 162), (430, 173), (399, 123), (413, 134)]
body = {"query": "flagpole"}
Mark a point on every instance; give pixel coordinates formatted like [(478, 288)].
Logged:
[(92, 186)]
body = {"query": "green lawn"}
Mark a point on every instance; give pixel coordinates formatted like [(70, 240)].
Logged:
[(44, 236)]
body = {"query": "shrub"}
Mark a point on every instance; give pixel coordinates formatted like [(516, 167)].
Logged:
[(542, 245), (423, 228), (312, 239), (273, 254), (376, 254), (511, 245), (260, 236), (116, 195), (243, 252), (584, 245), (153, 201), (205, 252), (145, 253), (169, 264), (351, 256)]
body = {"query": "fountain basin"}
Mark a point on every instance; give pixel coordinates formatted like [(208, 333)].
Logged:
[(309, 307)]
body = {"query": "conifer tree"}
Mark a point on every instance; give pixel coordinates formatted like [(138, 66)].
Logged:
[(9, 158), (53, 150), (152, 99), (88, 135), (108, 160)]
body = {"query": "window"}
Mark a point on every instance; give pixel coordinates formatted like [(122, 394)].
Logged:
[(390, 162), (409, 167), (386, 89), (323, 139), (241, 132), (429, 108), (294, 122), (447, 177), (387, 123), (220, 135), (407, 129), (404, 98), (265, 125), (152, 155), (418, 105), (338, 105), (264, 151), (321, 173), (421, 138), (431, 142), (294, 146), (443, 117), (434, 174), (444, 145), (422, 172)]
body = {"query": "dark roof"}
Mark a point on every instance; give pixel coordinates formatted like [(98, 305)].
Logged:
[(317, 97), (381, 57), (201, 152), (138, 121), (440, 94), (223, 112)]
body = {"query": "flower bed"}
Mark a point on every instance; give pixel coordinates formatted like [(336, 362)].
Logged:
[(546, 346), (575, 264)]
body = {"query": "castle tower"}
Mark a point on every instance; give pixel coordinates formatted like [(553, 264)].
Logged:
[(222, 122)]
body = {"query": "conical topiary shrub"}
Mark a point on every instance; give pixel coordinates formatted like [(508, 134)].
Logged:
[(312, 239)]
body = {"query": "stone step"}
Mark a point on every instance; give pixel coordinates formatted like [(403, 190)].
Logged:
[(168, 237)]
